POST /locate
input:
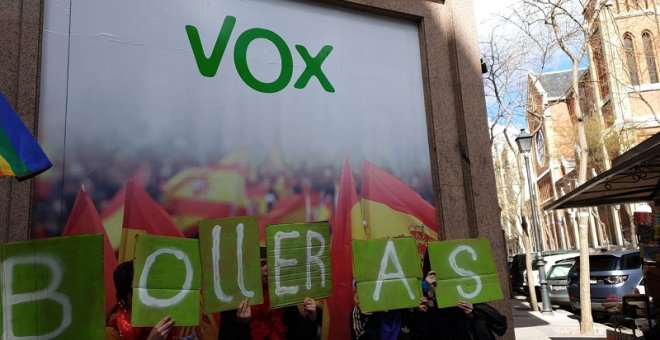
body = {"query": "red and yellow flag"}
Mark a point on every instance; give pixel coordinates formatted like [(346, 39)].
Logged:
[(144, 213), (346, 225), (304, 207), (85, 219), (112, 216), (391, 208), (206, 192)]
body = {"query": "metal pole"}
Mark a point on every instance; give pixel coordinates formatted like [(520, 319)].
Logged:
[(545, 297)]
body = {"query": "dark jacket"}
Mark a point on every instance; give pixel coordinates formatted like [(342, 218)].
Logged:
[(452, 323), (405, 321)]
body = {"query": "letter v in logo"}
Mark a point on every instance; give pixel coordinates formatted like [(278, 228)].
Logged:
[(208, 67)]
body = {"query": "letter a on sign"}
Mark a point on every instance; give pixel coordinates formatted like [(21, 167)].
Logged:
[(53, 288), (230, 263), (388, 273), (465, 271)]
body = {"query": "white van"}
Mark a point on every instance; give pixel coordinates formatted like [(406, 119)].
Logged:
[(550, 261)]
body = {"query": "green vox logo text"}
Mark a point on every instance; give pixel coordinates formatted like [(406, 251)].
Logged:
[(208, 66)]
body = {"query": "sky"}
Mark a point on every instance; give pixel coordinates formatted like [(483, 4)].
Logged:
[(483, 10), (485, 13)]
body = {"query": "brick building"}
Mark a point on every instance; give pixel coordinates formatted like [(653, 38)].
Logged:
[(620, 102)]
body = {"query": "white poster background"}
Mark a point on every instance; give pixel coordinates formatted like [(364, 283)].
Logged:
[(119, 83)]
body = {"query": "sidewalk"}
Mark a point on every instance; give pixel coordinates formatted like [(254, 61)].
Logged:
[(561, 325)]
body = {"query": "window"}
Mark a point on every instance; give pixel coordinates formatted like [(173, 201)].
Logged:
[(540, 147), (599, 61), (650, 56), (602, 263), (629, 48), (631, 261), (559, 271)]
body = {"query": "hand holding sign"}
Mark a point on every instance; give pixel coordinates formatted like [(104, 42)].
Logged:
[(162, 329), (310, 309), (244, 313), (466, 307)]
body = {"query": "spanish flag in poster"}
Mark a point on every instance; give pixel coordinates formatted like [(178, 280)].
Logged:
[(20, 154), (346, 226), (391, 208), (85, 219), (200, 193)]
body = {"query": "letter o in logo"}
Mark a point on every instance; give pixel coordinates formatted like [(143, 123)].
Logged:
[(240, 60)]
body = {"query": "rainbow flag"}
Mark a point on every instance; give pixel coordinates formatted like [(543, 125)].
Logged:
[(20, 154)]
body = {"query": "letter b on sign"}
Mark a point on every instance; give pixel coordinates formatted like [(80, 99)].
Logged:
[(465, 271), (53, 288)]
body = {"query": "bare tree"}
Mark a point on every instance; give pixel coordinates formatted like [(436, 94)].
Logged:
[(571, 27), (508, 59), (544, 25), (563, 20)]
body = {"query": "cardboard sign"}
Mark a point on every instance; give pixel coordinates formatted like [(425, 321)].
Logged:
[(298, 262), (230, 263), (166, 281), (465, 271), (388, 273), (53, 288), (127, 244)]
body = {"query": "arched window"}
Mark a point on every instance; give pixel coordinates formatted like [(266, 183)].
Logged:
[(649, 53), (629, 48)]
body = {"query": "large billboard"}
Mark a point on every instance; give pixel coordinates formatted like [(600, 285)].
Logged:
[(224, 108)]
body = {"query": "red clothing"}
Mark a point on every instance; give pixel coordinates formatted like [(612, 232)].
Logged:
[(119, 327)]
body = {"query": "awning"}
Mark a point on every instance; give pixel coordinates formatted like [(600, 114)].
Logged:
[(634, 177)]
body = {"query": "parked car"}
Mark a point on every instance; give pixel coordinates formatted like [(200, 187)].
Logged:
[(518, 272), (558, 282), (612, 275)]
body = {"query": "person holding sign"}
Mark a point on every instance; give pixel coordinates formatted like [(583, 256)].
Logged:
[(262, 322), (118, 325), (398, 324), (387, 280), (465, 320)]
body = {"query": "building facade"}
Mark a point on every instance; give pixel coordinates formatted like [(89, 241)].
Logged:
[(620, 102)]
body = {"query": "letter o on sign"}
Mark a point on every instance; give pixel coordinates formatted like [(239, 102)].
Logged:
[(143, 293)]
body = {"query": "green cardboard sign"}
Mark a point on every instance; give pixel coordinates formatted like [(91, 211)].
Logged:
[(465, 271), (53, 288), (387, 272), (166, 281), (298, 262), (230, 263)]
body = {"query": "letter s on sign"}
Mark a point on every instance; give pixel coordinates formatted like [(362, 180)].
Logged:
[(464, 272)]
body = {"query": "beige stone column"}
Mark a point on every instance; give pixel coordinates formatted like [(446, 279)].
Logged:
[(20, 54)]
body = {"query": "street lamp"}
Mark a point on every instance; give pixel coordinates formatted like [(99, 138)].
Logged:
[(524, 141)]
